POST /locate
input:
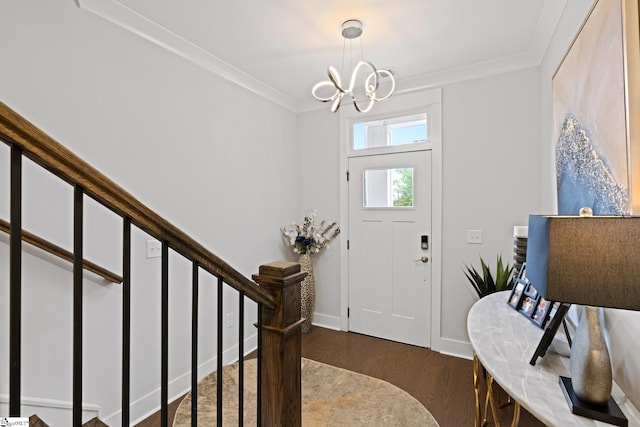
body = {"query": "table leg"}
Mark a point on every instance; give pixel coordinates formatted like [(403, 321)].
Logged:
[(516, 414), (476, 389), (491, 400), (486, 407)]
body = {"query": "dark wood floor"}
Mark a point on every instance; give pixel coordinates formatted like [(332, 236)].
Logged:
[(443, 384)]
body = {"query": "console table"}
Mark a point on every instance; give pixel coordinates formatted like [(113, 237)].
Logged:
[(503, 341)]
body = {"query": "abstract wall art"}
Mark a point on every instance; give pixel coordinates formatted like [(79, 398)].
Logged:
[(594, 103)]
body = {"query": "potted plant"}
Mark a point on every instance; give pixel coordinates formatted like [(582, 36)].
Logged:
[(488, 283)]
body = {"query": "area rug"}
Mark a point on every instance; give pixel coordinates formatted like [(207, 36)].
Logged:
[(330, 397)]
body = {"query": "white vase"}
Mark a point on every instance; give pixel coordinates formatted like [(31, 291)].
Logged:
[(307, 292)]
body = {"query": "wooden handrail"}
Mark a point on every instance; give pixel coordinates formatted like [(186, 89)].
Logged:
[(60, 252), (47, 152)]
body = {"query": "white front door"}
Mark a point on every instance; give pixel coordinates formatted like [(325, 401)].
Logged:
[(389, 234)]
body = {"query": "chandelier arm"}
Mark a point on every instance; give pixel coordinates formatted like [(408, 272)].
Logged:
[(357, 107), (354, 74), (371, 89), (336, 103), (323, 84), (334, 77), (379, 74)]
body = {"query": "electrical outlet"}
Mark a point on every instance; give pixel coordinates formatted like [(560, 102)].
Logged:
[(474, 236), (154, 249), (229, 320)]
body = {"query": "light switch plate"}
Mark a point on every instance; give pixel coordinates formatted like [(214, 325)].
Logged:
[(154, 249), (474, 236)]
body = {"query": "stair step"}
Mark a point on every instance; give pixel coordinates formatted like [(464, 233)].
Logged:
[(94, 422), (35, 421)]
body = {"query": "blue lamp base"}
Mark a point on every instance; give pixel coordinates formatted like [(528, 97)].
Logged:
[(609, 413)]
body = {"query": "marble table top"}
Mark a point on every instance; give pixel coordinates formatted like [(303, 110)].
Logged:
[(504, 342)]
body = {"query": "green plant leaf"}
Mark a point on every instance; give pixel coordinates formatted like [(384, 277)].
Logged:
[(485, 283)]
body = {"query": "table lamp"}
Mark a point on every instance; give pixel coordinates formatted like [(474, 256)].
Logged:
[(592, 261)]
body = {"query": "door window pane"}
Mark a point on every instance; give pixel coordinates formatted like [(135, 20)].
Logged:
[(388, 188), (393, 131)]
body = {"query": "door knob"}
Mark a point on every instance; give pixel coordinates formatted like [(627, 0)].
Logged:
[(423, 259)]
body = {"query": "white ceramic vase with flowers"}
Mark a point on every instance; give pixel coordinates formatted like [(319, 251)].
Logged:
[(306, 240)]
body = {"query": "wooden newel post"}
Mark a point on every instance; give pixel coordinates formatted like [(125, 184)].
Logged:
[(280, 335)]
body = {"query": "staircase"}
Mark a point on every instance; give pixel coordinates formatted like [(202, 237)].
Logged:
[(35, 421), (275, 288)]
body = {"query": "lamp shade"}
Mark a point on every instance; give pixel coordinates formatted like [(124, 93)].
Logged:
[(586, 260)]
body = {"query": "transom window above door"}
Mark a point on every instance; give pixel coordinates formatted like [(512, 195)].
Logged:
[(390, 132)]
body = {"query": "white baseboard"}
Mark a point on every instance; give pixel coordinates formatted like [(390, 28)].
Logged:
[(455, 348), (51, 411), (150, 403), (326, 321)]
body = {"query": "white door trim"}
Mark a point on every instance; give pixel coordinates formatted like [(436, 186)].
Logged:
[(431, 101)]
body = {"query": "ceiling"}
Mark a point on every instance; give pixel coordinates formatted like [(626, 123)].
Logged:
[(281, 48)]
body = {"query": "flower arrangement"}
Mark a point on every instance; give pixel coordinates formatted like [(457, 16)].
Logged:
[(309, 238)]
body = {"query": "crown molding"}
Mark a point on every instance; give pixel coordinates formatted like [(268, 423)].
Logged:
[(449, 76), (128, 19), (549, 19), (552, 11)]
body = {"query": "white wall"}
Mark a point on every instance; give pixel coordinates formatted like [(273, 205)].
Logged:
[(490, 161), (319, 178), (623, 326), (216, 160)]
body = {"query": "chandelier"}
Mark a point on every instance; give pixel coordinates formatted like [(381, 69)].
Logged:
[(364, 73)]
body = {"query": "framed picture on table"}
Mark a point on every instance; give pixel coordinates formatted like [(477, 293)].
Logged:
[(516, 294), (542, 312), (529, 304), (520, 286), (525, 298)]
